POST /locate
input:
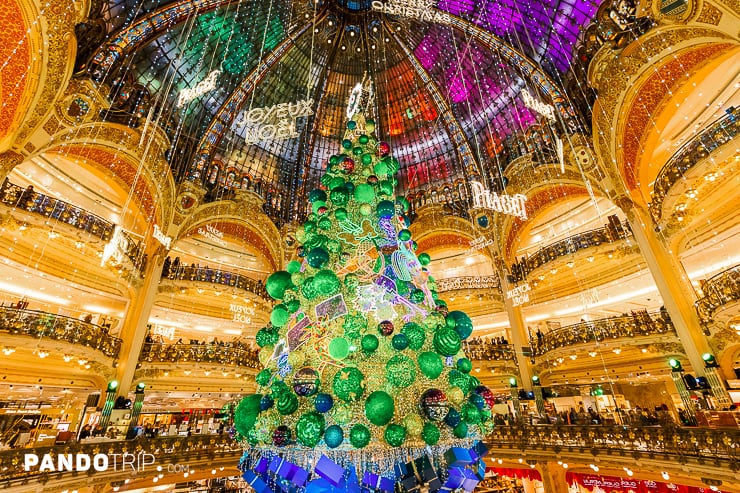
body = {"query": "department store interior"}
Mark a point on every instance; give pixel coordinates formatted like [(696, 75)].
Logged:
[(569, 167)]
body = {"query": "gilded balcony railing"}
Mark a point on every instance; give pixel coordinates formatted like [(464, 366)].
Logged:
[(228, 354), (488, 351), (634, 325), (215, 276), (719, 290), (692, 152), (467, 282), (44, 325)]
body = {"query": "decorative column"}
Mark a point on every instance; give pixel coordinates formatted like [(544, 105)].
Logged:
[(518, 329), (134, 328), (672, 282), (8, 161), (539, 400), (110, 398), (514, 389), (136, 410), (553, 477)]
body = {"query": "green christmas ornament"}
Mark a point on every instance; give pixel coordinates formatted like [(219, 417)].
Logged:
[(324, 223), (359, 436), (400, 371), (446, 341), (386, 187), (470, 414), (430, 434), (381, 169), (417, 296), (357, 150), (286, 403), (460, 322), (366, 210), (379, 408), (317, 257), (340, 214), (400, 342), (415, 334), (339, 348), (459, 379), (317, 195), (293, 266), (464, 365), (309, 428), (349, 384), (319, 204), (266, 336), (430, 364), (263, 377), (277, 283), (333, 436), (293, 305), (424, 258), (369, 343), (404, 203), (326, 282), (364, 193), (460, 431), (347, 144), (434, 320), (385, 209), (395, 435), (279, 315), (246, 413), (342, 413), (366, 158), (336, 182), (404, 235), (354, 324), (333, 246), (364, 139)]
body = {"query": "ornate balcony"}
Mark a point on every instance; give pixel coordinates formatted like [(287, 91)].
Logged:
[(216, 276), (720, 290), (37, 203), (228, 355), (43, 325), (690, 154), (635, 325), (488, 351), (467, 282)]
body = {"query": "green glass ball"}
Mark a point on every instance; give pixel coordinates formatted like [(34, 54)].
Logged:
[(417, 296), (386, 187), (347, 144), (364, 193), (385, 209), (326, 282), (404, 203), (424, 258), (400, 371), (460, 431), (404, 235), (369, 343), (460, 322), (325, 223), (279, 315), (293, 266), (459, 379), (335, 159), (354, 325), (267, 336), (317, 257), (366, 158), (379, 408), (395, 435), (333, 436), (277, 283), (464, 365), (415, 335), (357, 150), (400, 342), (317, 195), (286, 403), (317, 206), (381, 168), (246, 413), (351, 124), (359, 436), (339, 196), (263, 377), (447, 341), (309, 428), (366, 209), (336, 182), (308, 289), (363, 139), (349, 384), (430, 434), (393, 165), (340, 214), (339, 348), (470, 414), (430, 364), (293, 305)]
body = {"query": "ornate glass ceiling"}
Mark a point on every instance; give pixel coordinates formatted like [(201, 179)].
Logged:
[(443, 90)]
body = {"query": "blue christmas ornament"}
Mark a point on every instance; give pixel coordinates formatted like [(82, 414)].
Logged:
[(266, 403), (477, 400), (483, 221), (453, 418), (333, 436), (323, 402)]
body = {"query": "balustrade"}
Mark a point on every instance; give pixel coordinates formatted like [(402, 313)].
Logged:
[(467, 282), (214, 276), (43, 325), (719, 290), (637, 324), (488, 351), (228, 354), (691, 153)]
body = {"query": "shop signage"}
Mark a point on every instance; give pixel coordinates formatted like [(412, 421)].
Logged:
[(546, 110), (241, 313), (276, 122), (86, 462), (479, 244), (158, 235), (514, 205), (519, 295), (422, 10), (206, 85), (164, 332), (213, 234)]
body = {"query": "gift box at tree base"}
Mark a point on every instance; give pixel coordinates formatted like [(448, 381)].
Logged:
[(365, 384)]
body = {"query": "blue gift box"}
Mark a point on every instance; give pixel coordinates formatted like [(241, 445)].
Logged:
[(461, 478), (330, 470), (261, 466), (480, 471), (434, 485), (459, 457), (256, 482), (480, 449), (377, 483)]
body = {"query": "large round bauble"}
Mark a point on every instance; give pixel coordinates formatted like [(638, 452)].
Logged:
[(415, 335), (293, 267), (366, 158), (309, 428), (342, 413), (267, 336), (346, 143), (430, 434), (464, 365), (265, 354), (453, 418), (424, 258), (385, 209), (379, 408), (460, 322), (366, 209), (381, 169), (293, 305), (477, 400), (266, 402), (393, 165), (325, 223), (308, 289), (417, 296), (413, 424), (400, 342), (395, 435), (446, 341), (296, 359), (385, 327), (455, 395), (326, 282), (369, 343), (470, 414), (433, 321), (364, 193), (263, 377), (246, 413), (459, 379), (359, 436), (338, 348), (279, 315), (278, 388), (461, 430), (281, 436), (364, 139), (357, 150), (400, 371), (287, 403), (277, 283), (487, 395), (333, 436), (317, 195), (384, 148), (323, 402), (317, 257), (339, 196), (434, 405), (404, 235), (349, 384), (430, 364), (385, 188), (306, 381), (336, 182)]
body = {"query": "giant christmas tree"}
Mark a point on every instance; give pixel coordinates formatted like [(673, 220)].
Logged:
[(362, 361)]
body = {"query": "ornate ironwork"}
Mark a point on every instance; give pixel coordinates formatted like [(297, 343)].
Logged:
[(719, 290), (467, 282), (215, 276), (488, 351), (228, 354)]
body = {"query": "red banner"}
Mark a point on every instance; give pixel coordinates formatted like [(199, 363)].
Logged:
[(612, 484)]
